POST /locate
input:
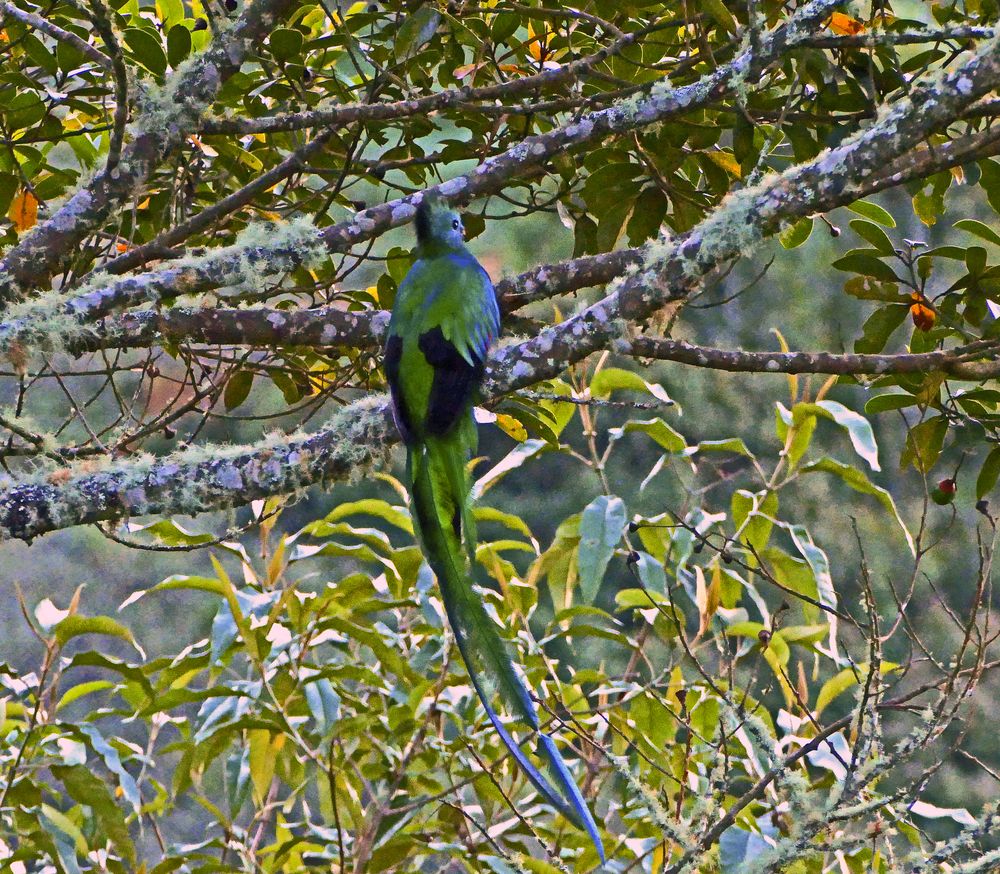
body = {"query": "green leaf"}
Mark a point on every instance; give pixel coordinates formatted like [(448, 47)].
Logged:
[(172, 533), (237, 779), (651, 572), (237, 389), (84, 787), (836, 686), (77, 625), (324, 704), (601, 527), (923, 444), (755, 515), (978, 229), (890, 401), (844, 680), (867, 288), (988, 474), (178, 44), (416, 31), (147, 49), (874, 212), (858, 481), (731, 444), (857, 426), (795, 235), (640, 599), (112, 761), (819, 564), (285, 43), (612, 379), (874, 235), (396, 516), (655, 429), (66, 836), (866, 263), (879, 327)]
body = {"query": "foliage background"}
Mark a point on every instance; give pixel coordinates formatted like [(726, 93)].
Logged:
[(294, 703)]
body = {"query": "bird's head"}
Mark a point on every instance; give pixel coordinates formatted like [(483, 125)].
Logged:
[(438, 225)]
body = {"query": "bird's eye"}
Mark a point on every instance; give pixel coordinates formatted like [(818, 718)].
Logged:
[(456, 224)]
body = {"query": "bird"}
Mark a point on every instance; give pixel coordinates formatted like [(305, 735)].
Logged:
[(444, 320)]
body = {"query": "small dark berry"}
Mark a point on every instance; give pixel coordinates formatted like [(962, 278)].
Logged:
[(633, 557), (764, 636), (373, 7), (306, 76), (231, 5), (727, 556), (169, 432), (201, 24), (699, 546), (633, 527), (834, 231)]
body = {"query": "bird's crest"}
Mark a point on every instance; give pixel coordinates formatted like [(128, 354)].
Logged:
[(438, 225)]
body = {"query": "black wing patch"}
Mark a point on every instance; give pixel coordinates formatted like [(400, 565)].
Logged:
[(393, 354), (454, 381)]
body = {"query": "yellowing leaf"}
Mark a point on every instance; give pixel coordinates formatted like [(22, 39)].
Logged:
[(512, 427), (23, 211), (727, 161), (844, 24)]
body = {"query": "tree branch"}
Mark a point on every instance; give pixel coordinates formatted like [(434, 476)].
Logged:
[(674, 268), (57, 33), (953, 362), (338, 116), (329, 326), (172, 114), (201, 479), (223, 267)]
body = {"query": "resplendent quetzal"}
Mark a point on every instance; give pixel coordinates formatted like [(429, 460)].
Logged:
[(444, 320)]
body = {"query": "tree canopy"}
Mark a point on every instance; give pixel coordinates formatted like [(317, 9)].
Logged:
[(752, 584)]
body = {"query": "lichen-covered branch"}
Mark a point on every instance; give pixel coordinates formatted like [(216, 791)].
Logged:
[(956, 362), (56, 32), (528, 157), (337, 116), (168, 117), (329, 326), (673, 268), (199, 480)]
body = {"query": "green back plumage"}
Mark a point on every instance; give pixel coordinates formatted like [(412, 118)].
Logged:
[(444, 319)]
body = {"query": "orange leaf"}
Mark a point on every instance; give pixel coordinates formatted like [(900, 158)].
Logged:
[(24, 211), (922, 312), (845, 25), (121, 247), (538, 44), (205, 149), (467, 69)]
